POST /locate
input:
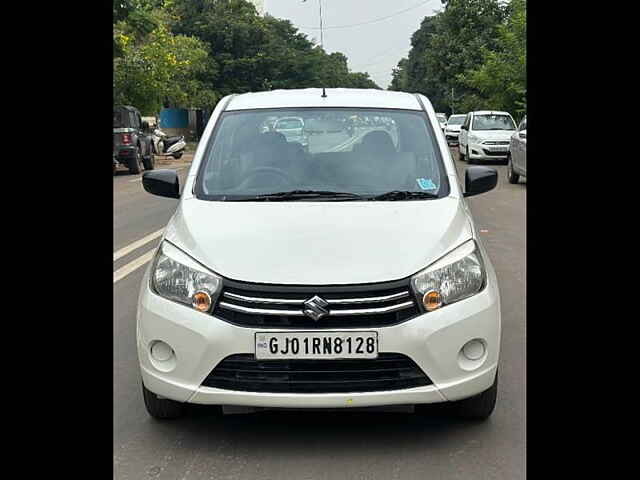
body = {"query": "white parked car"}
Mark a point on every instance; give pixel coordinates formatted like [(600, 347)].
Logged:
[(346, 277), (452, 129), (517, 159), (442, 118), (485, 135)]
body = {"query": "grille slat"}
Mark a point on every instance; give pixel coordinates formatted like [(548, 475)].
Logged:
[(264, 306), (243, 372)]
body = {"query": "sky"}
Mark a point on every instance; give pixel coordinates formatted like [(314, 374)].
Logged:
[(375, 47)]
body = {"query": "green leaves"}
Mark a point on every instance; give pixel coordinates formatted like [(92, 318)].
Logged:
[(475, 50), (190, 53)]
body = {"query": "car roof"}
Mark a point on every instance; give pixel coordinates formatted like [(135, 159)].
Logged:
[(336, 97), (490, 112)]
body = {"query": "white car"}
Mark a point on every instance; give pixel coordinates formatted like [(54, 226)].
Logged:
[(485, 135), (517, 159), (347, 277), (452, 129), (442, 118)]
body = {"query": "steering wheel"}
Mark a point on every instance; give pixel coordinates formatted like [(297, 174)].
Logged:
[(269, 171)]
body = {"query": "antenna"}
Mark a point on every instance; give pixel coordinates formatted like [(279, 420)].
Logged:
[(324, 93)]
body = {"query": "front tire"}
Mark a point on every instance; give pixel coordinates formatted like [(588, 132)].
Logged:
[(161, 408), (470, 161), (512, 176), (479, 407)]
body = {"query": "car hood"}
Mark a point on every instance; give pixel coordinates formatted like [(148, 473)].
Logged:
[(493, 134), (318, 243)]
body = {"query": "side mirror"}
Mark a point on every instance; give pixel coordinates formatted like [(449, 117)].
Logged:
[(523, 133), (479, 180), (163, 183), (462, 127)]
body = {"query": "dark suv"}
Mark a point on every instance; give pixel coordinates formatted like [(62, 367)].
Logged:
[(132, 145)]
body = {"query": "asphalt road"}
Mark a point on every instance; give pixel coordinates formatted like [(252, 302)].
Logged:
[(320, 445)]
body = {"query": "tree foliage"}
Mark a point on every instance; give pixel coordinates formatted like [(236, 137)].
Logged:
[(192, 52), (473, 49)]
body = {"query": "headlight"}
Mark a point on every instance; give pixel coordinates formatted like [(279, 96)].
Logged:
[(457, 275), (176, 276), (473, 139)]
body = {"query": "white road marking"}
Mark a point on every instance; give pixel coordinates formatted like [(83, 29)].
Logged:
[(137, 244), (132, 266)]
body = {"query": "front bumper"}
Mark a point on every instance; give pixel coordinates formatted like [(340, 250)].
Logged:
[(480, 151), (433, 341)]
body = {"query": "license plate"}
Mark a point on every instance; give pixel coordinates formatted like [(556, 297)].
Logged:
[(316, 345)]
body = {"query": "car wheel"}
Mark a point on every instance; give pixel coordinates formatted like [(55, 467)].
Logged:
[(161, 408), (512, 176), (135, 163), (479, 407), (470, 161), (150, 162)]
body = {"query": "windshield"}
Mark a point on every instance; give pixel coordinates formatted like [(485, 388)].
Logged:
[(345, 154), (441, 118), (456, 120), (493, 122)]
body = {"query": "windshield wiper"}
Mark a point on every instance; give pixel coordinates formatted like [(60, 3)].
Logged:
[(403, 195), (304, 194)]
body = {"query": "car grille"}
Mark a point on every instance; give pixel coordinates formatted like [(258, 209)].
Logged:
[(496, 143), (390, 371), (264, 306), (495, 154)]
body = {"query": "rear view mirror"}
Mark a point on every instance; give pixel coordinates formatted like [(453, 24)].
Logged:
[(522, 133), (479, 180), (462, 127), (163, 183)]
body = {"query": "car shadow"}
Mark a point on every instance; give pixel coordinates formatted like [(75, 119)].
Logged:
[(276, 431)]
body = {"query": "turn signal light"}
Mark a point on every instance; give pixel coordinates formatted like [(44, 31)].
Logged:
[(432, 300), (201, 301)]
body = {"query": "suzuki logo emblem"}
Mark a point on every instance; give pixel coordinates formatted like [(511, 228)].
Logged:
[(315, 308)]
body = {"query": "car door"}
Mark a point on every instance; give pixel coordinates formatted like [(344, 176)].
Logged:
[(523, 148), (521, 145), (464, 133)]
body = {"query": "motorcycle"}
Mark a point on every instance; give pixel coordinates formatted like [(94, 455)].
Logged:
[(169, 146)]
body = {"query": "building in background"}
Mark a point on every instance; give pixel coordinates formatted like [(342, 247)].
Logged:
[(259, 4)]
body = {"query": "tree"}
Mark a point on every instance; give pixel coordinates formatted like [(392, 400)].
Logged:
[(449, 44), (160, 68), (502, 78)]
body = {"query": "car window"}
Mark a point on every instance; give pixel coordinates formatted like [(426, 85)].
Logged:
[(289, 123), (493, 122), (467, 121), (119, 119), (361, 151), (456, 120), (523, 124)]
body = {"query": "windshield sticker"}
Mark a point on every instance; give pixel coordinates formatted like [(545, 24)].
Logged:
[(426, 184)]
